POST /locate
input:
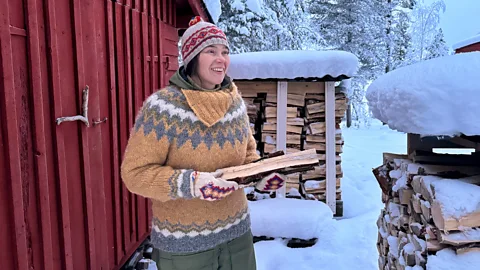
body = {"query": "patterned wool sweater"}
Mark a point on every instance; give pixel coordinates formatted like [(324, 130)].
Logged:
[(178, 131)]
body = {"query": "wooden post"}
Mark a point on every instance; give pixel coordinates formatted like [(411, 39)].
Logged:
[(330, 144), (282, 125)]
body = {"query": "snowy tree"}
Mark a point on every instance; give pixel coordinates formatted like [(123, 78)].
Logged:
[(291, 29), (438, 47), (267, 25), (244, 25), (400, 39), (425, 20), (357, 27)]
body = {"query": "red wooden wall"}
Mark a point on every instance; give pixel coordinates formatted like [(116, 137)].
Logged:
[(470, 48), (62, 202)]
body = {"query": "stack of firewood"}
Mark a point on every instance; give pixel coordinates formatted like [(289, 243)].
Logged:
[(306, 128), (428, 208), (295, 123), (313, 184)]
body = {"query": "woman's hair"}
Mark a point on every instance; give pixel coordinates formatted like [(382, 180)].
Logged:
[(191, 68)]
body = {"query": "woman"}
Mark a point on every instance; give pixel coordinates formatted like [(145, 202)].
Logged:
[(183, 136)]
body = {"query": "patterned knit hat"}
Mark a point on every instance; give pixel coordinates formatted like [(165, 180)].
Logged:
[(200, 34)]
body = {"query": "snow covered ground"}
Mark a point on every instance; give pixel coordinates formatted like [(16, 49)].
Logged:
[(350, 242)]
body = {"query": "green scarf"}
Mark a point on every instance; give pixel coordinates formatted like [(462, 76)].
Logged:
[(183, 81)]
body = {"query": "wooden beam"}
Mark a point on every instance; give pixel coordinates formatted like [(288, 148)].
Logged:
[(282, 88), (330, 141)]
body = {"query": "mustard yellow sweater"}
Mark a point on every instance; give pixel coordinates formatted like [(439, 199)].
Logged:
[(178, 131)]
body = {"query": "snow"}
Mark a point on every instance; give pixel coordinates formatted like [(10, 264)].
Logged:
[(238, 5), (214, 8), (434, 97), (457, 206), (446, 259), (467, 42), (466, 235), (278, 64), (255, 5), (289, 218)]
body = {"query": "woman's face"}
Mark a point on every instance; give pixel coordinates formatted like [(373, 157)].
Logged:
[(213, 62)]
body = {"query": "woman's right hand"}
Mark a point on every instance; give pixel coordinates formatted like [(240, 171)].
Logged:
[(210, 187)]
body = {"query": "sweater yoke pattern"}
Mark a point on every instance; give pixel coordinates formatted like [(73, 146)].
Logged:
[(168, 115)]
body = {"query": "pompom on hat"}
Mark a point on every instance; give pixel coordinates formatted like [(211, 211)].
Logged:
[(199, 35)]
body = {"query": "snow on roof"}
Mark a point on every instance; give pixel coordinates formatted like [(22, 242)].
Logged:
[(467, 42), (293, 64), (440, 96), (214, 7)]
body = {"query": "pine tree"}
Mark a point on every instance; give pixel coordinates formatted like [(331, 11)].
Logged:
[(357, 27), (438, 47), (401, 41), (243, 26)]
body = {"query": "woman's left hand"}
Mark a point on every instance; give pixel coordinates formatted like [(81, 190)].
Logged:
[(271, 182)]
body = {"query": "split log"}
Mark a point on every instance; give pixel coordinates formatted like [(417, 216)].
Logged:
[(271, 112), (245, 174)]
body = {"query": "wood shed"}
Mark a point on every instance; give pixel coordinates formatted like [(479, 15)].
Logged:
[(294, 104), (62, 202)]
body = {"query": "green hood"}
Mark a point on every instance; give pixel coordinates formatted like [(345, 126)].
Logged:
[(181, 80)]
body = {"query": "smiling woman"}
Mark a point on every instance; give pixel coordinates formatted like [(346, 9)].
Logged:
[(208, 69), (183, 136)]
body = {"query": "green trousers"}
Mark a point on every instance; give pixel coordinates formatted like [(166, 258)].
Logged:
[(237, 254)]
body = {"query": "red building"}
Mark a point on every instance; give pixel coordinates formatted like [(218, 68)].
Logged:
[(62, 202), (468, 45)]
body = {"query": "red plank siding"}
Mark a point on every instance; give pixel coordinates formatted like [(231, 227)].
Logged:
[(470, 48), (63, 204)]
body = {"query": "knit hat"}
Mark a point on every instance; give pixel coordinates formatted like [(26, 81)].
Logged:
[(200, 34)]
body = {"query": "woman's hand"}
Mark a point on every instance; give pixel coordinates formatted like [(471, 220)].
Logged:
[(210, 187)]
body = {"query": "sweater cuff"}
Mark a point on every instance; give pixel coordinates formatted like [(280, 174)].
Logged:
[(180, 184)]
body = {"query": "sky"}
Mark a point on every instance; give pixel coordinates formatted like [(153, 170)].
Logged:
[(460, 21)]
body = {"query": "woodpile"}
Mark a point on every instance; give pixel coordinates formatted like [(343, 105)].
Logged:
[(305, 130), (428, 208)]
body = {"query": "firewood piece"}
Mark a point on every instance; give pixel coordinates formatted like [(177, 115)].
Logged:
[(448, 215), (320, 106), (321, 147), (417, 229), (381, 174), (313, 186), (425, 205), (416, 204), (317, 128), (448, 223), (434, 245), (321, 172), (320, 138), (252, 172), (273, 128), (405, 194), (419, 244), (271, 112), (467, 248), (461, 238), (296, 100), (420, 259)]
